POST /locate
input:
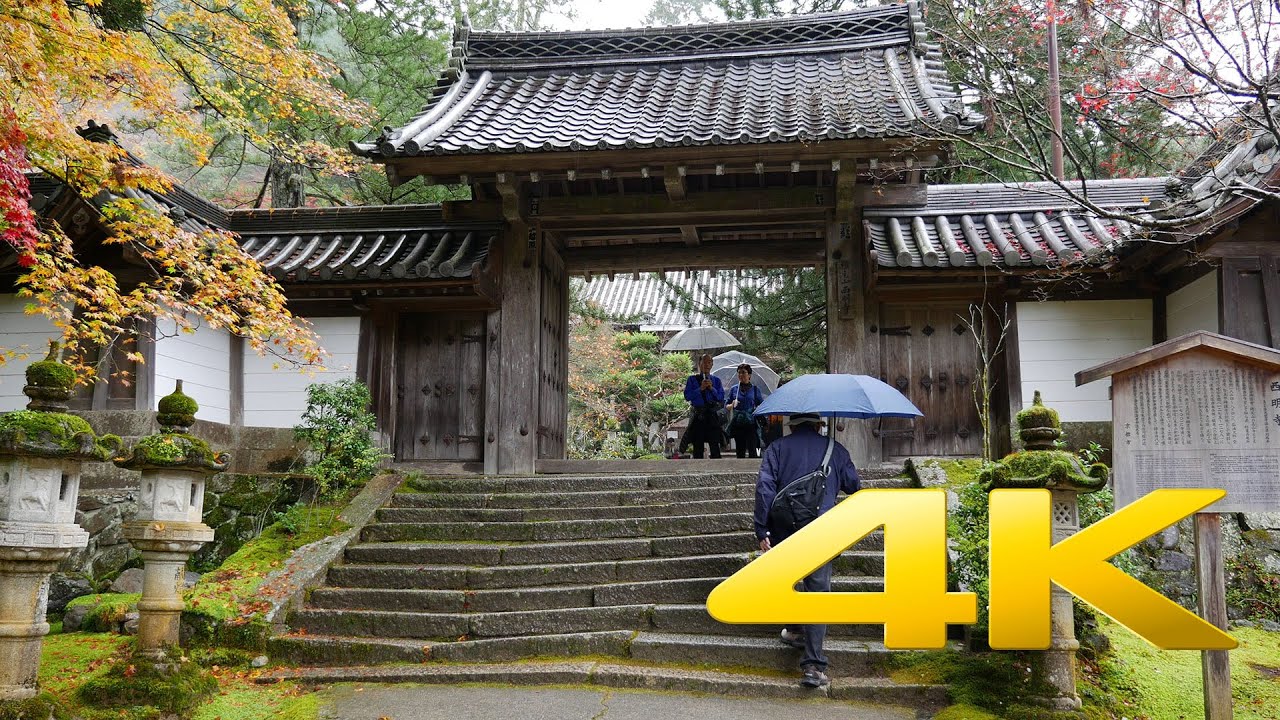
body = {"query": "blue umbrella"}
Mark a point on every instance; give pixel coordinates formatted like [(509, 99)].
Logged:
[(850, 396)]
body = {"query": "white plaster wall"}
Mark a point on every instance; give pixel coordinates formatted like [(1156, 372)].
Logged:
[(277, 397), (27, 335), (202, 360), (1058, 339), (1193, 307)]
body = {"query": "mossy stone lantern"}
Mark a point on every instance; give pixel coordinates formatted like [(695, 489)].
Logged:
[(1039, 465), (168, 527), (41, 452)]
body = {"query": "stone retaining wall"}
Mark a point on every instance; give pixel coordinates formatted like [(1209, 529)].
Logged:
[(1167, 560), (236, 506)]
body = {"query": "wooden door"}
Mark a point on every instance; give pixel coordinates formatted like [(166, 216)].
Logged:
[(928, 354), (441, 386)]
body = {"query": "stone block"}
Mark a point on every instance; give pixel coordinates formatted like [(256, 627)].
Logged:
[(219, 516), (74, 618), (110, 560), (90, 502), (64, 588), (1173, 562), (1261, 521), (113, 535), (129, 582)]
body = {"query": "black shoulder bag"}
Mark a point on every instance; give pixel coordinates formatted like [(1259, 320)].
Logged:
[(797, 504)]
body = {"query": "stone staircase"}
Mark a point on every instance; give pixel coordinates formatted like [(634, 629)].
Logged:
[(483, 577)]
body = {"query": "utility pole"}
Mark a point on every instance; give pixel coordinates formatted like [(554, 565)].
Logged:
[(1055, 91)]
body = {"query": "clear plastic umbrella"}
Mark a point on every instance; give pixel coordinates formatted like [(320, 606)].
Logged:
[(700, 338), (725, 366)]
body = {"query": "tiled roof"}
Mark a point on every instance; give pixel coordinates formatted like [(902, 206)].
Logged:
[(651, 301), (1247, 158), (983, 225), (865, 73), (362, 244)]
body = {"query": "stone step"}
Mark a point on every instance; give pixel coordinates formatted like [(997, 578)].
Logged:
[(620, 675), (480, 553), (582, 498), (561, 530), (860, 658), (458, 577), (584, 483), (667, 618), (694, 619), (509, 515), (345, 650), (458, 626), (572, 483)]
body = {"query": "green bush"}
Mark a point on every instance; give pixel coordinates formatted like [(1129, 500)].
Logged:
[(1253, 588), (337, 425)]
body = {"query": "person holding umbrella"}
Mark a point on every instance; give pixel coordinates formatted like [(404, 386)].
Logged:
[(743, 399), (705, 394), (802, 474), (787, 459)]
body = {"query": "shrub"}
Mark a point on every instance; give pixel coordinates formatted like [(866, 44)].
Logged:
[(337, 425)]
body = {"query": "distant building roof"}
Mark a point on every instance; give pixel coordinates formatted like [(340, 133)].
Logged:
[(992, 224), (858, 74), (652, 302)]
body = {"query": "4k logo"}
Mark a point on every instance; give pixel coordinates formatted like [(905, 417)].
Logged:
[(915, 607)]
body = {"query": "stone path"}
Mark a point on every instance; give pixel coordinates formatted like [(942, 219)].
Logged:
[(378, 702)]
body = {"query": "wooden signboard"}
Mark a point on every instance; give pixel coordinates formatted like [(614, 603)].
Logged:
[(1199, 411), (1194, 421)]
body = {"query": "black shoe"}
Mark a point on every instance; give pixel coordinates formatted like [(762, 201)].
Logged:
[(814, 678), (795, 640)]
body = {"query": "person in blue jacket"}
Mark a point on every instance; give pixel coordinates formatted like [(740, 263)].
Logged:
[(742, 401), (790, 458), (705, 394)]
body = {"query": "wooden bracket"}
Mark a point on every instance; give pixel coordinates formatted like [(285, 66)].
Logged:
[(690, 235), (673, 178), (512, 206)]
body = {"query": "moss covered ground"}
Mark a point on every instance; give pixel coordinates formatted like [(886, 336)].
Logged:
[(1166, 685), (230, 593), (72, 662)]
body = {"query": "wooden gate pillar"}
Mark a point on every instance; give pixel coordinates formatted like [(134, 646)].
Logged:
[(516, 325), (851, 346)]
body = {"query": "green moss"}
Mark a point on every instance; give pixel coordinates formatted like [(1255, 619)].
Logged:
[(41, 707), (51, 374), (67, 660), (964, 712), (107, 610), (129, 683), (255, 702), (1166, 684), (990, 682), (53, 434), (1038, 415), (224, 605), (173, 450), (178, 404), (1041, 468)]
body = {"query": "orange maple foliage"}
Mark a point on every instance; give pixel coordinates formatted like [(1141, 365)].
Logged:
[(182, 70)]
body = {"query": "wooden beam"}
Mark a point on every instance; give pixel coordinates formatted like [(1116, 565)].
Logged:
[(624, 258), (235, 369), (690, 235), (892, 195), (743, 156), (720, 207), (673, 179)]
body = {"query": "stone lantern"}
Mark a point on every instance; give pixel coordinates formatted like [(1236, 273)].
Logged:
[(168, 527), (41, 451), (1039, 465)]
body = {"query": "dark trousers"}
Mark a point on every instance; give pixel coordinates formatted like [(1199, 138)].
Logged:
[(814, 635), (748, 443), (706, 431)]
